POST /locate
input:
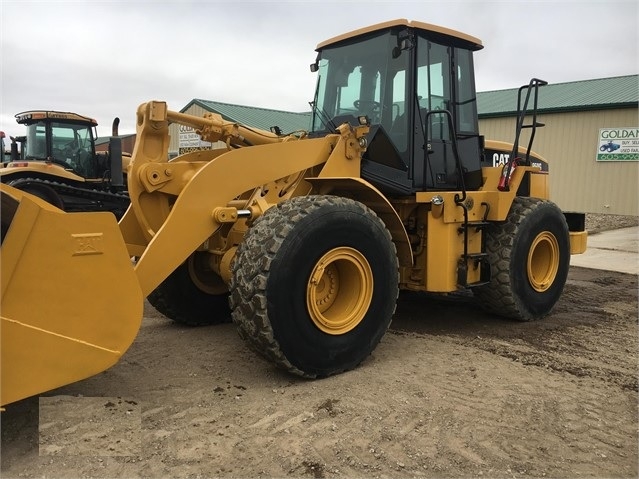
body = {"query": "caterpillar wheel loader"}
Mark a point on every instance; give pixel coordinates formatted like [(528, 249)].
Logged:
[(58, 162), (304, 239)]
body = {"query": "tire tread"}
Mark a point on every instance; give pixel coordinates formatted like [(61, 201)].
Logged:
[(251, 267), (498, 296)]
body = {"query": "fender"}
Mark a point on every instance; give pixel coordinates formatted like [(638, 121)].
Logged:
[(361, 190)]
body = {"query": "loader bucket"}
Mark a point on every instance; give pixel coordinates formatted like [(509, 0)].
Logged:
[(71, 304)]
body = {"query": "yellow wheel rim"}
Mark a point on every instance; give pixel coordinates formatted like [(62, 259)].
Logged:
[(339, 290), (543, 261)]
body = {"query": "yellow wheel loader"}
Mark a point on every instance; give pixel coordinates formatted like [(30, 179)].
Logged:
[(304, 240)]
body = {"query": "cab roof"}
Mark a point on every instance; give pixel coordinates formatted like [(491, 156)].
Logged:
[(34, 115), (450, 36)]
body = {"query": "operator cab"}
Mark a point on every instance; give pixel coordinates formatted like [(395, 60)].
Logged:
[(415, 83), (66, 139)]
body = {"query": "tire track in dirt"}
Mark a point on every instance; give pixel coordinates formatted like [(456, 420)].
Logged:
[(449, 392)]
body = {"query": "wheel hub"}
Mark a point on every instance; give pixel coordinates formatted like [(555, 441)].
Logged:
[(203, 276), (543, 261), (339, 290)]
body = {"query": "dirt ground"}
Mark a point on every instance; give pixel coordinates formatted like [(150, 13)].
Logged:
[(449, 392)]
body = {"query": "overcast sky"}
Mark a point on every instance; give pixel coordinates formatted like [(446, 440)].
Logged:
[(103, 58)]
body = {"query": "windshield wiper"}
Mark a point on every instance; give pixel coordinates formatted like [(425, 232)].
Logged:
[(323, 116)]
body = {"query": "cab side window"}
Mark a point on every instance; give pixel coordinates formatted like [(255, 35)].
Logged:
[(433, 88)]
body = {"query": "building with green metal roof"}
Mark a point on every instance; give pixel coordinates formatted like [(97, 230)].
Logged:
[(262, 118), (575, 114), (585, 95), (578, 116)]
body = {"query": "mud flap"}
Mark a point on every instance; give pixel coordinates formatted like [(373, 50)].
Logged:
[(71, 302)]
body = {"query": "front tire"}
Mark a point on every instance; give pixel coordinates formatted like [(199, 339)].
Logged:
[(314, 285), (529, 256)]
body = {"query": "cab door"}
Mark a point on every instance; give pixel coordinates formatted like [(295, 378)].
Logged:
[(447, 146)]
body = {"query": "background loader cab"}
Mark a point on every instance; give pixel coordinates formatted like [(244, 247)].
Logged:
[(417, 88), (57, 162), (67, 139)]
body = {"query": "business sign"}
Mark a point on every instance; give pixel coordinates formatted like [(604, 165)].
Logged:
[(618, 144), (191, 141)]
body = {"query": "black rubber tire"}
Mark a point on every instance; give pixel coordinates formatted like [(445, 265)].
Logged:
[(273, 267), (180, 299), (510, 292)]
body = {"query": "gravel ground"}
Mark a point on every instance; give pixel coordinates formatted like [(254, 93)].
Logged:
[(599, 222)]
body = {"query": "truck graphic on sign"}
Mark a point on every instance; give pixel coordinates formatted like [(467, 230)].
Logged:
[(609, 147), (618, 144)]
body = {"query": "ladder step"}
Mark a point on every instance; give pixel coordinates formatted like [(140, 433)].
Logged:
[(476, 284), (476, 256), (478, 225), (462, 270)]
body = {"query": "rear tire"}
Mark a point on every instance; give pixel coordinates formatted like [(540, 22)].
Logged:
[(529, 255), (314, 284), (192, 295)]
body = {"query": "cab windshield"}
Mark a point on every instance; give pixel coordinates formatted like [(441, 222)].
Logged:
[(70, 145), (360, 78)]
